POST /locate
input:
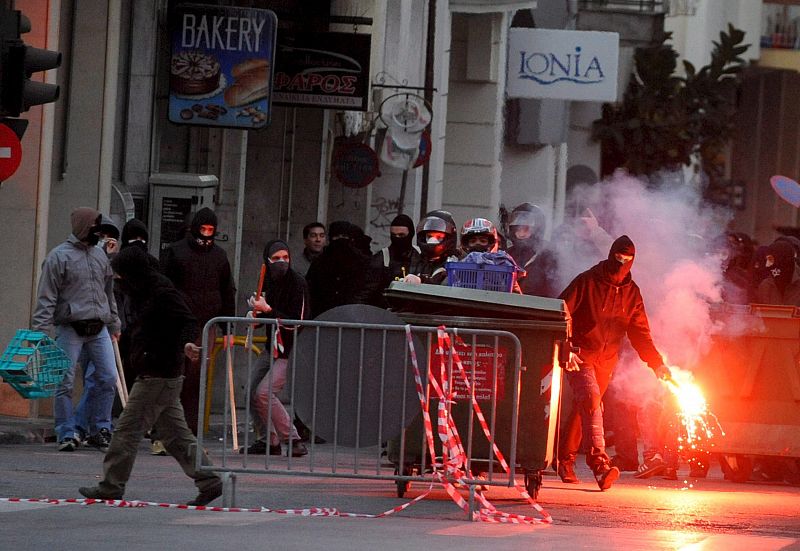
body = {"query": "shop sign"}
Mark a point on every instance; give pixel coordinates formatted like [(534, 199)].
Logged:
[(565, 65), (355, 164), (221, 66), (328, 70)]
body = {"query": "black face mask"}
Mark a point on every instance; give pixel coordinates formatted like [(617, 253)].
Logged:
[(205, 242), (400, 245), (93, 238), (278, 269)]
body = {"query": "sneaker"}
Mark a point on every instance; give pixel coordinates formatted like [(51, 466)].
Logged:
[(275, 450), (94, 492), (698, 471), (299, 449), (606, 475), (651, 467), (157, 448), (207, 496), (566, 470), (259, 447), (670, 473), (101, 440), (68, 445), (624, 464)]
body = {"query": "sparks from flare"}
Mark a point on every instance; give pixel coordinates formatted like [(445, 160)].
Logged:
[(699, 426)]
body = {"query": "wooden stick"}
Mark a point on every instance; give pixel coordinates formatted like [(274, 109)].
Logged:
[(232, 394), (122, 388), (261, 280)]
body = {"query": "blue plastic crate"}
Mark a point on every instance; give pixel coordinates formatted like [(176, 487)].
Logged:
[(33, 364), (481, 276)]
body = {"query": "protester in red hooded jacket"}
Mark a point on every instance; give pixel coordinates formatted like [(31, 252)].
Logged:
[(605, 305)]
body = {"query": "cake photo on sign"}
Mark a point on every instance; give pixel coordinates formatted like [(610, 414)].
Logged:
[(251, 82), (193, 73)]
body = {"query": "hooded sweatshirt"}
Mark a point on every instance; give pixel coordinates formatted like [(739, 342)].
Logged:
[(782, 285), (161, 323), (287, 294), (77, 281), (606, 305), (201, 273)]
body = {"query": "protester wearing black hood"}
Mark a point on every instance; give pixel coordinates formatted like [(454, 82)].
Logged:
[(286, 298), (162, 332), (782, 286), (200, 270), (342, 273), (605, 305), (395, 261)]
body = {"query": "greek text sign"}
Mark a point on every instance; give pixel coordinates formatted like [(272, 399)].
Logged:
[(566, 65)]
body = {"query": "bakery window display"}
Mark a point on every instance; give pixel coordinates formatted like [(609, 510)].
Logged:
[(194, 73)]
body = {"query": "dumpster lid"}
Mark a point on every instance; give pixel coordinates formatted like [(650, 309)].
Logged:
[(440, 299)]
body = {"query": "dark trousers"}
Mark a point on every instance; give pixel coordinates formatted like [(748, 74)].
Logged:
[(586, 418), (153, 402)]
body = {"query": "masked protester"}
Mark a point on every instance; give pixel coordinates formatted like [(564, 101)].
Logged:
[(76, 298), (342, 273), (606, 305), (199, 269), (437, 243), (527, 225), (162, 332), (286, 298), (394, 262), (782, 285)]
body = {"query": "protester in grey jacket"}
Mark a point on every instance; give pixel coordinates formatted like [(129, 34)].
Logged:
[(76, 297)]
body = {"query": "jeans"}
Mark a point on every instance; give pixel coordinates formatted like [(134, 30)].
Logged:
[(269, 411), (626, 418), (100, 382), (153, 401), (586, 418)]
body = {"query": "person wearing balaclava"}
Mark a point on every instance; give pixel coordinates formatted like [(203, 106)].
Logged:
[(286, 298), (782, 285), (342, 273), (200, 270), (605, 305), (76, 299), (394, 262), (163, 331)]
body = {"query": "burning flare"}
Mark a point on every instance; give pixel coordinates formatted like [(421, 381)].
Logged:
[(699, 425)]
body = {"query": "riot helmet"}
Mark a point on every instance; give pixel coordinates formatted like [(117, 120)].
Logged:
[(526, 225), (479, 235), (436, 234)]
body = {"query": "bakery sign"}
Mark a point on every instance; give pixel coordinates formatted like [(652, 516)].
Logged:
[(328, 70), (565, 65), (221, 66)]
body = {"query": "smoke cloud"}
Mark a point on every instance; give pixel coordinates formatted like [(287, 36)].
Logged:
[(678, 280)]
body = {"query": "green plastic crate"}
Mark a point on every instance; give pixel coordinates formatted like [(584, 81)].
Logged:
[(33, 364)]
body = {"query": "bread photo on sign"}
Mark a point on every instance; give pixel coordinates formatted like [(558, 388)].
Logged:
[(251, 82)]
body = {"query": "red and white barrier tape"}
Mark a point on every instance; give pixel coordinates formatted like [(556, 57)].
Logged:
[(454, 459)]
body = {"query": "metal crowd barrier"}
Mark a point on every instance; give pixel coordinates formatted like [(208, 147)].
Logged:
[(352, 384)]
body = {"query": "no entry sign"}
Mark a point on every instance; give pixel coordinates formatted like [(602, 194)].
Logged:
[(10, 152)]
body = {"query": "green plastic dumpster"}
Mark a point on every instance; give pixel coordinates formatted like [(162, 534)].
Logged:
[(542, 326)]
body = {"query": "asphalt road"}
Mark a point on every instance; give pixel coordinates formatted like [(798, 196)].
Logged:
[(635, 514)]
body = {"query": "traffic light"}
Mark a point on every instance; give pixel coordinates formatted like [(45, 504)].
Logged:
[(18, 62)]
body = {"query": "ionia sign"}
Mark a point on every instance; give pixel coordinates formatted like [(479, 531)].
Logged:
[(568, 65)]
